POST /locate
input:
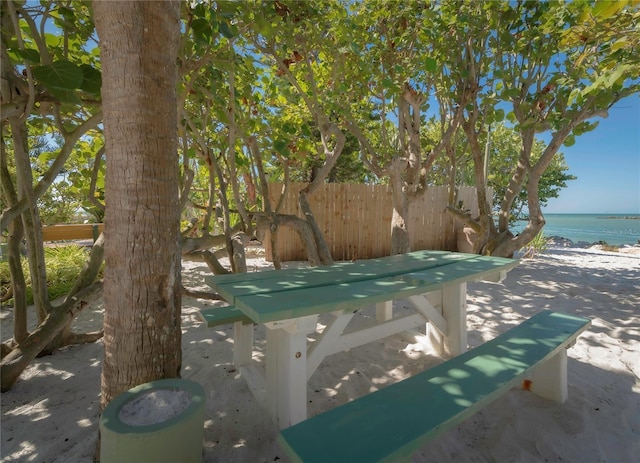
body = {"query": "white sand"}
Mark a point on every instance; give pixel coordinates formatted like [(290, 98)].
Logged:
[(51, 414), (155, 406)]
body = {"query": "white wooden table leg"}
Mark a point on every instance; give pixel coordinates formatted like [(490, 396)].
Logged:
[(549, 379), (286, 369), (384, 311), (242, 344), (454, 310)]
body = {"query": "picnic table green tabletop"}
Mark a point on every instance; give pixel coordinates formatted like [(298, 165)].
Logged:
[(280, 294)]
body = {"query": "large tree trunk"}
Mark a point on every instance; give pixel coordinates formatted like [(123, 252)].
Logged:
[(142, 337), (400, 242), (407, 181), (324, 254)]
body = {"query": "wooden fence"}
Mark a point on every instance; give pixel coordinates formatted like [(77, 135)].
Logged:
[(356, 220)]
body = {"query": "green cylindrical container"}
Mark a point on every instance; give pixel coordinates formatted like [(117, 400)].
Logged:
[(178, 438)]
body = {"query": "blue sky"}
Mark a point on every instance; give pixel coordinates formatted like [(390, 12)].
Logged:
[(607, 164)]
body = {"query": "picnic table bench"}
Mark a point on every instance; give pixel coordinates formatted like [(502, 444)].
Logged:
[(390, 424), (289, 302), (216, 316)]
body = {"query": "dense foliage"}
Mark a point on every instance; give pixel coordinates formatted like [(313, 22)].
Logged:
[(276, 72)]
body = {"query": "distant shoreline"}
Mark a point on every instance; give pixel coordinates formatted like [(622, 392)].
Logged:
[(621, 217)]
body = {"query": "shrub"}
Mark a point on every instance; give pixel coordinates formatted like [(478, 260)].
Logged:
[(537, 246), (63, 264), (608, 247)]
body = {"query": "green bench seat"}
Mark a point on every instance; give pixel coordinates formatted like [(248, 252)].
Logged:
[(215, 316), (390, 424)]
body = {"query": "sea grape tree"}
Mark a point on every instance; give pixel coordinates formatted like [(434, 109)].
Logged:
[(395, 70), (51, 88), (547, 68), (501, 145)]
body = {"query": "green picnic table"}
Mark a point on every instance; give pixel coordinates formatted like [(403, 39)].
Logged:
[(289, 303)]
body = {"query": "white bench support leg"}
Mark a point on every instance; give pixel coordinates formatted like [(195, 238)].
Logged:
[(454, 310), (286, 369), (549, 379), (243, 344)]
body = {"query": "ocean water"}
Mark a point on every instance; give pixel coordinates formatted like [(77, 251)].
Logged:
[(615, 229)]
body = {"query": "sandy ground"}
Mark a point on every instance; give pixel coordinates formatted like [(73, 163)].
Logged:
[(51, 414)]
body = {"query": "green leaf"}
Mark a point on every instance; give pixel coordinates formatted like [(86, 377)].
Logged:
[(584, 127), (29, 55), (92, 81), (607, 9), (264, 27), (511, 93), (67, 13), (59, 74), (65, 95), (573, 95), (201, 30), (387, 83), (47, 156), (281, 147), (228, 9), (618, 44), (228, 32), (289, 128), (65, 18), (570, 140), (431, 65), (618, 73)]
